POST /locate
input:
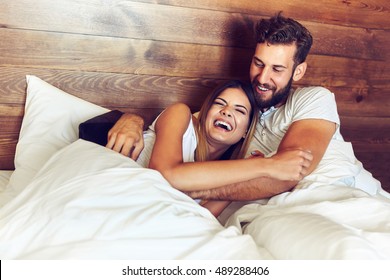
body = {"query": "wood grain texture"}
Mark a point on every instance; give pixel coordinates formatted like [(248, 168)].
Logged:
[(113, 90), (366, 13), (118, 55), (135, 20)]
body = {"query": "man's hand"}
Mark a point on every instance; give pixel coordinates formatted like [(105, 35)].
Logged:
[(126, 136)]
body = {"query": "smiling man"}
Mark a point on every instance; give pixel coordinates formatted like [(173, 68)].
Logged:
[(304, 118)]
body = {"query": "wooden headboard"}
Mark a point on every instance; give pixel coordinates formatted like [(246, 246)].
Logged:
[(141, 56)]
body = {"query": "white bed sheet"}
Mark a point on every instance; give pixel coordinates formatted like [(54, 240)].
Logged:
[(5, 193), (89, 202), (325, 222), (4, 178)]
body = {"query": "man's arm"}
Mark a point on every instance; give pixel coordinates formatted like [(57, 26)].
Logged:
[(311, 135), (249, 190), (126, 136)]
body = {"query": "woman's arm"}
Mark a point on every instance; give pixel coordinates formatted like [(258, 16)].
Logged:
[(313, 135), (191, 176)]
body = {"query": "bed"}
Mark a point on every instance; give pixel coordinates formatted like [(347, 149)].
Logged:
[(64, 62), (72, 199)]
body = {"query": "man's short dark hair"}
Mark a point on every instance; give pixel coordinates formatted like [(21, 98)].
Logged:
[(279, 30)]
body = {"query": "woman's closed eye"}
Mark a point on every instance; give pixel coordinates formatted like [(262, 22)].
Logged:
[(241, 110), (219, 103), (237, 107)]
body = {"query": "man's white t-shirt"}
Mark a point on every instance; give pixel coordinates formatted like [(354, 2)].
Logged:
[(339, 165)]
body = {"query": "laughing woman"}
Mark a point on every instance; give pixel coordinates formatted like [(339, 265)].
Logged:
[(195, 152)]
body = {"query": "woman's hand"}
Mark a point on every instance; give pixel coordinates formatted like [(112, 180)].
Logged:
[(290, 165)]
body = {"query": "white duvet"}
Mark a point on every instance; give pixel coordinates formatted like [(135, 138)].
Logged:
[(88, 202), (321, 223)]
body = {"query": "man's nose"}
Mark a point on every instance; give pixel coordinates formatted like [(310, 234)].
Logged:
[(264, 76)]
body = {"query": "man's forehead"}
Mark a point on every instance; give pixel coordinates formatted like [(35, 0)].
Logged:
[(275, 54)]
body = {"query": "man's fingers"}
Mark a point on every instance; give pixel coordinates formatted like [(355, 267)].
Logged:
[(306, 163), (110, 140), (125, 146), (136, 151), (308, 155)]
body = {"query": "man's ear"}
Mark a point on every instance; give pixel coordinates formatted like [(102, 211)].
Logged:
[(299, 71)]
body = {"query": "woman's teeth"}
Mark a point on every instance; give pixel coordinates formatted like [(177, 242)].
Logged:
[(223, 125)]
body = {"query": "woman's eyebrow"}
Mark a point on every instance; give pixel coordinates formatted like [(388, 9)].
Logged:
[(235, 105), (220, 98)]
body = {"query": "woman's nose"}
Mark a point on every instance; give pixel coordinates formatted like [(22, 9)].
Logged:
[(226, 112)]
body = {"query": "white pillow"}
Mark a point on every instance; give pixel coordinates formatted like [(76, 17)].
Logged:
[(50, 122)]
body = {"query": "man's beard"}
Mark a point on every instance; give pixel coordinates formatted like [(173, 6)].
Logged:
[(276, 98)]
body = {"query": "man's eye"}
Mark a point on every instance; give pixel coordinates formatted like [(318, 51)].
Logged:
[(259, 64)]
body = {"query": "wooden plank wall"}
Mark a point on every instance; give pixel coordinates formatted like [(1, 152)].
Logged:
[(141, 56)]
